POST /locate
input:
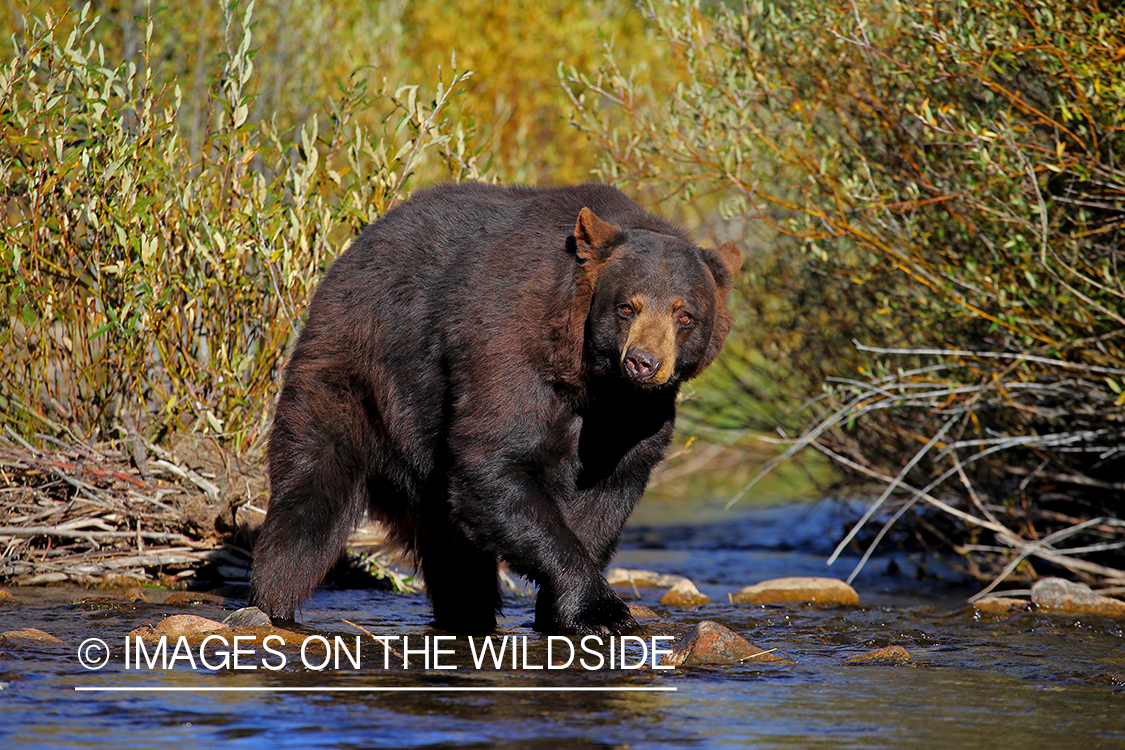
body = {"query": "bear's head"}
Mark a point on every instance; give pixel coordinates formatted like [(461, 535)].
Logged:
[(657, 313)]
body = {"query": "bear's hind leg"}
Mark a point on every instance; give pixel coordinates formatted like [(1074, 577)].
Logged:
[(318, 495), (300, 541), (462, 583)]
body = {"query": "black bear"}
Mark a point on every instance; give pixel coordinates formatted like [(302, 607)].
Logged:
[(492, 373)]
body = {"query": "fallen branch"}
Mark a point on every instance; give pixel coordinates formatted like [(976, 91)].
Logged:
[(32, 531)]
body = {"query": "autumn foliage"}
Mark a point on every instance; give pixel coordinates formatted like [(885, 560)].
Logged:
[(950, 176)]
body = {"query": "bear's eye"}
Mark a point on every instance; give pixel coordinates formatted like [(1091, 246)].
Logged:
[(684, 319), (626, 310)]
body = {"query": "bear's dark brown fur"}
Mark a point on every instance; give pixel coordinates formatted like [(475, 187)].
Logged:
[(492, 373)]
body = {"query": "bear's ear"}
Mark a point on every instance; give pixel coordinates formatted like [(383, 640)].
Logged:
[(723, 261), (594, 237), (729, 260), (731, 256)]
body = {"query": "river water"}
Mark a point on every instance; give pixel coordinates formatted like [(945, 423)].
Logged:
[(973, 681)]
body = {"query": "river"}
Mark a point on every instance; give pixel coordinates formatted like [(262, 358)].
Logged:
[(972, 680)]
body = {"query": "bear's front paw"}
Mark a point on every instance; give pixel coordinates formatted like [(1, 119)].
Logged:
[(595, 610)]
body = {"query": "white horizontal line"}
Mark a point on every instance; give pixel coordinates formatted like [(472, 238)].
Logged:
[(415, 689)]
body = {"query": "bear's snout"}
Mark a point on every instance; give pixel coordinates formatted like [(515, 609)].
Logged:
[(640, 364), (649, 354)]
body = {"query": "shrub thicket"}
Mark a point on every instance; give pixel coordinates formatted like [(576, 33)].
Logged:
[(174, 183), (150, 279), (951, 174)]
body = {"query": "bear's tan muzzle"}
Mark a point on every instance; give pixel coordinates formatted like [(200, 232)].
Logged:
[(649, 354)]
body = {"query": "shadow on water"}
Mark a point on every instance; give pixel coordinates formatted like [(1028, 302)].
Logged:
[(973, 680)]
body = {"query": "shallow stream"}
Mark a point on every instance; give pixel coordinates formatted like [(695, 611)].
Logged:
[(1022, 681)]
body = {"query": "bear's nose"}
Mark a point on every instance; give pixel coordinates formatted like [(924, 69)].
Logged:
[(641, 364)]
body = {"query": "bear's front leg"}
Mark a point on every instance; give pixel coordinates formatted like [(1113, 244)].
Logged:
[(505, 506), (583, 610)]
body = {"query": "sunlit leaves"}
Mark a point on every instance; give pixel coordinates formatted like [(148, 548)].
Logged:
[(959, 165), (159, 269)]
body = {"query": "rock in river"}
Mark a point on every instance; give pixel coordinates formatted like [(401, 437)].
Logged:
[(712, 643), (28, 638), (823, 591), (1060, 595), (1000, 605), (641, 612), (641, 578), (887, 655), (247, 617), (684, 594), (176, 626)]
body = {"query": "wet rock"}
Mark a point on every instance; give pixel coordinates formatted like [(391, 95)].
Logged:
[(135, 595), (641, 578), (712, 643), (192, 598), (684, 594), (1060, 595), (176, 626), (197, 629), (109, 602), (28, 638), (7, 598), (887, 655), (1000, 605), (641, 612), (822, 591), (259, 632), (247, 617)]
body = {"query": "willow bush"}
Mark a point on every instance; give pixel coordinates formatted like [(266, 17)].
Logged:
[(515, 47), (944, 180), (154, 279), (304, 46)]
